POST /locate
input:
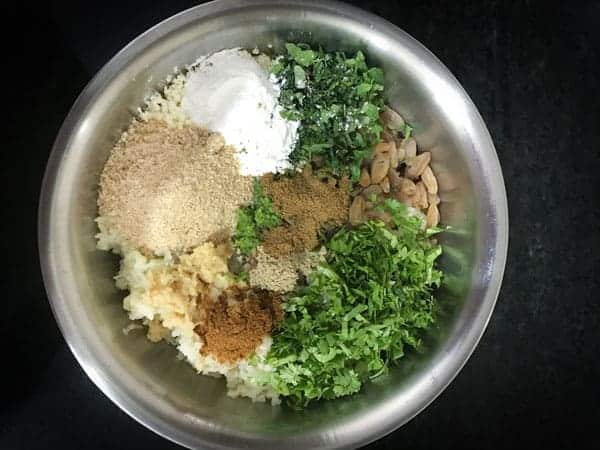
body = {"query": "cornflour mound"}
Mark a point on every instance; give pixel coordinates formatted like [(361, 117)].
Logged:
[(231, 93)]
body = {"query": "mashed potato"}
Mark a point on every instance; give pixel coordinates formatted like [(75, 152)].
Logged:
[(163, 294)]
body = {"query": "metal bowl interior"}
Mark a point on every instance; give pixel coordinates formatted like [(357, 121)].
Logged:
[(147, 380)]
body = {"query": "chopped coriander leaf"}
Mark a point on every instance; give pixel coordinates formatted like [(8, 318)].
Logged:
[(337, 99), (359, 312), (246, 233), (407, 130), (243, 276), (253, 220)]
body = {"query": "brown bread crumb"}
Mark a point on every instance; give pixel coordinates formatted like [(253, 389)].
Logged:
[(171, 189)]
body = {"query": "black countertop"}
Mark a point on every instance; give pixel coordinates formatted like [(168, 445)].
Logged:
[(533, 70)]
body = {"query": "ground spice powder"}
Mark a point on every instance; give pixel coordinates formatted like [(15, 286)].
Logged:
[(232, 326), (307, 204), (281, 273)]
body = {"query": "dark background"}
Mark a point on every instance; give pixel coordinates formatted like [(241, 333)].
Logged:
[(531, 67)]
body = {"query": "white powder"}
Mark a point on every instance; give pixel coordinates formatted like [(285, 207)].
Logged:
[(231, 93)]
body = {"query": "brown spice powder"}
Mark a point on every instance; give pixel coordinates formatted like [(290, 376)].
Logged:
[(307, 204), (236, 323)]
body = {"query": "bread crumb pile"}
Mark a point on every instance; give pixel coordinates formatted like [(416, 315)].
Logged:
[(169, 189)]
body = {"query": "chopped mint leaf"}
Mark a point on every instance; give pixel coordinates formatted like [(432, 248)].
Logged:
[(338, 100)]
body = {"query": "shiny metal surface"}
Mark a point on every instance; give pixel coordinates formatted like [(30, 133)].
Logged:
[(146, 380)]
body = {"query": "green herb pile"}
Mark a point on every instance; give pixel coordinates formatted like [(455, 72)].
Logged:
[(337, 99), (253, 220), (359, 311)]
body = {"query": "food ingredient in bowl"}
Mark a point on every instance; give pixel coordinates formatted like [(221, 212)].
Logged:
[(233, 325), (178, 299), (165, 106), (211, 257), (253, 220), (360, 310), (165, 189), (395, 170), (338, 99), (281, 273), (231, 93), (308, 204)]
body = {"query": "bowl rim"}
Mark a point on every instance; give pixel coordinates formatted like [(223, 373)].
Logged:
[(119, 60)]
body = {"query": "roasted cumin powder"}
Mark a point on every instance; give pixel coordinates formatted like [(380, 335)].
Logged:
[(307, 204), (232, 326)]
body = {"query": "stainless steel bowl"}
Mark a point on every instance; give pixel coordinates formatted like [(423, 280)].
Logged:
[(147, 380)]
